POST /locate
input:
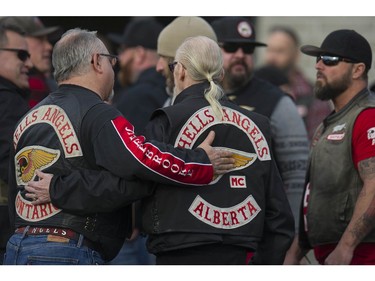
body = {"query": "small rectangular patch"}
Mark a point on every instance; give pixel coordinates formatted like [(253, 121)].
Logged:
[(59, 239), (336, 137), (237, 181)]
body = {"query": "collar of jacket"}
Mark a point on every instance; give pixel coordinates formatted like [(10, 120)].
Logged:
[(337, 115), (193, 91), (8, 85)]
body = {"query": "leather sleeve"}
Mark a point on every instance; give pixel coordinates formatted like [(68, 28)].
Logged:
[(89, 191), (119, 150)]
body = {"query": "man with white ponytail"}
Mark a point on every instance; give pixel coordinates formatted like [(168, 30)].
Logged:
[(245, 210), (171, 37)]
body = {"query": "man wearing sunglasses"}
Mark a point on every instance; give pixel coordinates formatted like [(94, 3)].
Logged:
[(338, 214), (236, 36), (14, 68), (38, 39)]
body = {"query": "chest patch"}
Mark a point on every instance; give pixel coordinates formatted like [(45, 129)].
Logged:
[(338, 133)]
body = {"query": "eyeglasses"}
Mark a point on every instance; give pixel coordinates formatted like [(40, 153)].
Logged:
[(172, 66), (332, 60), (112, 58), (23, 55), (233, 47)]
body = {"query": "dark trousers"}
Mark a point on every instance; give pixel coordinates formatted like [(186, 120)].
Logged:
[(212, 254), (2, 253)]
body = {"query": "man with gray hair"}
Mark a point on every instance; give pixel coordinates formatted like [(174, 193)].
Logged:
[(72, 130)]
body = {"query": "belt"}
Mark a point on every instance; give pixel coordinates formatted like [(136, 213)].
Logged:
[(55, 231)]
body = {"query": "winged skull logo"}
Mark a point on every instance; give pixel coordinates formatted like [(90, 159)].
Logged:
[(30, 159), (242, 160)]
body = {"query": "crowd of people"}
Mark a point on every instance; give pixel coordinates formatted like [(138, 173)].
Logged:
[(177, 150)]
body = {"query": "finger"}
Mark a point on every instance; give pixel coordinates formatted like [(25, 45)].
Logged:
[(40, 174), (36, 201), (224, 153), (209, 139), (228, 160), (31, 196), (29, 188), (32, 184), (226, 167)]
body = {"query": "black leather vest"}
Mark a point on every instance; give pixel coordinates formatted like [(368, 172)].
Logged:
[(234, 203), (258, 96)]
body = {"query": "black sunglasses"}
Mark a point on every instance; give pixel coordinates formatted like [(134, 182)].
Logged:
[(233, 47), (172, 65), (112, 59), (23, 55), (332, 60)]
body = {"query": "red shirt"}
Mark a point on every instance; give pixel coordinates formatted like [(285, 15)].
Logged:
[(363, 137)]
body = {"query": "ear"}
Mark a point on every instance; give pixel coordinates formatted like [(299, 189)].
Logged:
[(221, 77), (358, 70), (96, 63), (180, 72)]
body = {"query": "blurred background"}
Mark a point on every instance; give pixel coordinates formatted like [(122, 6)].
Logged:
[(310, 30)]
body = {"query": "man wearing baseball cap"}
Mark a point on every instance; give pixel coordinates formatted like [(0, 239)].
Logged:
[(142, 88), (38, 38), (338, 214), (237, 38), (171, 37)]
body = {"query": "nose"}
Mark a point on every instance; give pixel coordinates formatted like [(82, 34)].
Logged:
[(239, 52), (160, 65), (28, 63), (48, 45), (319, 65)]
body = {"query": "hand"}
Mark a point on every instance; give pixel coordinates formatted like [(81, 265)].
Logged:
[(38, 191), (339, 255), (221, 160), (294, 254), (134, 235)]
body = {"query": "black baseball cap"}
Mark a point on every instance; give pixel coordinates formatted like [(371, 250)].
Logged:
[(235, 30), (343, 43), (140, 32)]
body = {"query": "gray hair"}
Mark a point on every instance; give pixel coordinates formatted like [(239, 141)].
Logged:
[(72, 54), (202, 58)]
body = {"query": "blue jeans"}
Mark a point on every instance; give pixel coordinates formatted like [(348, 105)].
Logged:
[(134, 252), (36, 250)]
